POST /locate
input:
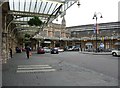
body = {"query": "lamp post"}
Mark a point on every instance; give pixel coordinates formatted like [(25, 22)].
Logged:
[(96, 18), (78, 3), (59, 41)]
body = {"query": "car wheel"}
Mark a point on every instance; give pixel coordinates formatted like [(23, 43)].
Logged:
[(114, 54)]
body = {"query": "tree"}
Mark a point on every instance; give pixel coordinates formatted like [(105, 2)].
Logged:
[(27, 35), (27, 39), (35, 21)]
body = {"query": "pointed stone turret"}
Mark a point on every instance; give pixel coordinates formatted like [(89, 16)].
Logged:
[(64, 22)]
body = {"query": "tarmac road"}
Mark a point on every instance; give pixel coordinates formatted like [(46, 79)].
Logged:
[(63, 69), (106, 64)]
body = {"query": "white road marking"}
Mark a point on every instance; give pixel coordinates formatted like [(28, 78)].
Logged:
[(34, 68), (31, 65), (45, 70)]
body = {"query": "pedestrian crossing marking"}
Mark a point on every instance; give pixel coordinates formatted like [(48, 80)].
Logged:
[(44, 70), (34, 68), (31, 65)]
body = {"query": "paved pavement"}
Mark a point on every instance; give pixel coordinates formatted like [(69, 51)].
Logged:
[(17, 73)]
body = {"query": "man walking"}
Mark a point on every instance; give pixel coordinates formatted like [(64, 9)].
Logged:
[(10, 52), (27, 51)]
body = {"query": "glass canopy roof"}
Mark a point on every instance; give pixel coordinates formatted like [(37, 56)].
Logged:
[(23, 10), (46, 10)]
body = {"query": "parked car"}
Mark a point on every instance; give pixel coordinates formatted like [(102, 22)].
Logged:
[(60, 49), (47, 50), (54, 51), (116, 52), (40, 50), (76, 48), (70, 48)]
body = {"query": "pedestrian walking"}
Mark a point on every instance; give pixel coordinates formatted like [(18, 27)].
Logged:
[(10, 52), (81, 49), (28, 51)]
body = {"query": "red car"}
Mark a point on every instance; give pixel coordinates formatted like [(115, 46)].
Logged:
[(40, 50)]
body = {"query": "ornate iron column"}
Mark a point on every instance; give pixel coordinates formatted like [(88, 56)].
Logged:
[(96, 18)]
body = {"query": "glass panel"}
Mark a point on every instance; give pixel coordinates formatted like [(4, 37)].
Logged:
[(11, 4), (27, 5), (21, 5), (47, 8), (42, 7), (32, 6), (57, 33), (38, 5)]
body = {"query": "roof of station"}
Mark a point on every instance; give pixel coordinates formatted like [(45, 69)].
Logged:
[(46, 10)]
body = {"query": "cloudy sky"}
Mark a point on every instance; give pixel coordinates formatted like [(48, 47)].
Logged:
[(84, 14)]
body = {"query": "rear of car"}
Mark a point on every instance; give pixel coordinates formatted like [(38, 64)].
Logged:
[(47, 50), (40, 50), (54, 51), (60, 49)]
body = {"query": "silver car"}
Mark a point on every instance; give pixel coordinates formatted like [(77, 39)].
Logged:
[(47, 50), (116, 52)]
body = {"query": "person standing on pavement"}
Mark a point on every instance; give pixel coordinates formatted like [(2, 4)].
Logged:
[(10, 52), (27, 51)]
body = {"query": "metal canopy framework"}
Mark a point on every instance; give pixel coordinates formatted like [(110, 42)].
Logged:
[(46, 10)]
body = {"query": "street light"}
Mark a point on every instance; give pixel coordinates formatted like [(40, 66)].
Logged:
[(78, 3), (96, 17)]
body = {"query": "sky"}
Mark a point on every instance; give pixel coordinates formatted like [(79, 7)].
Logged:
[(83, 15)]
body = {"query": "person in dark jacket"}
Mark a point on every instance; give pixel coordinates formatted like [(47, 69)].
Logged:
[(27, 51), (10, 52)]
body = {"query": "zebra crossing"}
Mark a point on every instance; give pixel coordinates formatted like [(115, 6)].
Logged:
[(34, 68)]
